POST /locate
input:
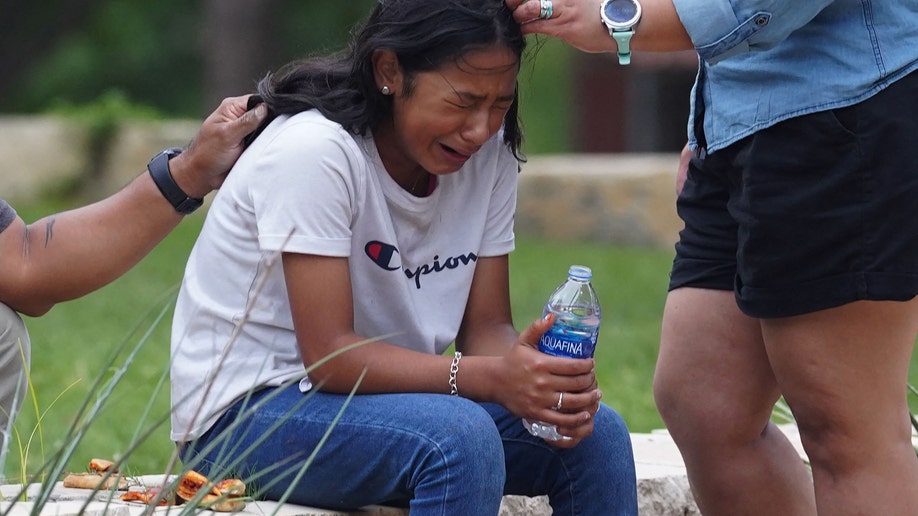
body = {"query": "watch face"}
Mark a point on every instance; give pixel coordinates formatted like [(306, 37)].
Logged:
[(621, 13)]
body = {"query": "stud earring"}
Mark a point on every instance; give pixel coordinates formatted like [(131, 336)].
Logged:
[(385, 90)]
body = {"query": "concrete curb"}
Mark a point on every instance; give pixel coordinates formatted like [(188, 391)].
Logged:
[(662, 490)]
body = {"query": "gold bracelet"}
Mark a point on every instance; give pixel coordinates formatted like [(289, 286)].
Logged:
[(453, 371)]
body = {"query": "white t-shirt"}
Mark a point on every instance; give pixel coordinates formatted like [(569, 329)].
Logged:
[(308, 186)]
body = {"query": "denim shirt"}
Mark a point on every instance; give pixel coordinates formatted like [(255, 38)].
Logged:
[(764, 61)]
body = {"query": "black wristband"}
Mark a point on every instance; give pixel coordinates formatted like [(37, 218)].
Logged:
[(162, 176)]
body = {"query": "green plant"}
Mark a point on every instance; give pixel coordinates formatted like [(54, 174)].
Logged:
[(102, 119), (21, 441), (104, 113), (102, 390), (911, 414)]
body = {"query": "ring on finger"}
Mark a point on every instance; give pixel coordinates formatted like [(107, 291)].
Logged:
[(560, 400), (546, 9)]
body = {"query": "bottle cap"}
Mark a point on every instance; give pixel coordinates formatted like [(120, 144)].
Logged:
[(580, 272)]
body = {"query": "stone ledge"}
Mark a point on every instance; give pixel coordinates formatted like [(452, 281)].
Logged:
[(662, 490)]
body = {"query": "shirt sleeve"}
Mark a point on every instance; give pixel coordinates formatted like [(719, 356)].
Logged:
[(303, 190), (723, 28), (498, 236), (7, 215)]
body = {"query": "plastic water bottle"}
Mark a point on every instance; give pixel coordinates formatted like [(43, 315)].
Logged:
[(574, 332)]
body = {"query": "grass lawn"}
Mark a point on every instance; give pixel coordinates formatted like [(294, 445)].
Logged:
[(74, 342)]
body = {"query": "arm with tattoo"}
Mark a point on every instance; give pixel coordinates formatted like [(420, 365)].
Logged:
[(88, 247)]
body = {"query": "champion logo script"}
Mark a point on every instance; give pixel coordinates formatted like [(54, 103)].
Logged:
[(387, 257)]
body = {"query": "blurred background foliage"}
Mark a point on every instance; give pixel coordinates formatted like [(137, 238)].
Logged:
[(160, 53), (179, 58)]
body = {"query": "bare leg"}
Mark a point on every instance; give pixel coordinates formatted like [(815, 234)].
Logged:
[(715, 390), (843, 372)]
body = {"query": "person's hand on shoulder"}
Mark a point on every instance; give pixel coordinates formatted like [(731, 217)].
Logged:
[(204, 165)]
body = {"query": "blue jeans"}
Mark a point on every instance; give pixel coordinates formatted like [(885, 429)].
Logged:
[(434, 453)]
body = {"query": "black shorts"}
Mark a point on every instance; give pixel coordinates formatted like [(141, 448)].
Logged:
[(812, 213)]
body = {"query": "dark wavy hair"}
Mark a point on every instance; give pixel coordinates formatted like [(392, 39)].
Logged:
[(424, 35)]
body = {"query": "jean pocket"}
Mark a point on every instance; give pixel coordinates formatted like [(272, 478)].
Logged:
[(844, 119)]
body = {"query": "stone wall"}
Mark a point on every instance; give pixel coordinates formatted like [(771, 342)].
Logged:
[(43, 152), (616, 198), (38, 152)]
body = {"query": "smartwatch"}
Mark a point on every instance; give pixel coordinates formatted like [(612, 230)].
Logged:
[(620, 17), (162, 176)]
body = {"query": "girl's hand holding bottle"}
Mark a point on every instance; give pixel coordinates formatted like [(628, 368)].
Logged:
[(532, 383)]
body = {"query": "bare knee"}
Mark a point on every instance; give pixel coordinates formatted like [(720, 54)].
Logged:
[(670, 399), (712, 415), (839, 446), (713, 383)]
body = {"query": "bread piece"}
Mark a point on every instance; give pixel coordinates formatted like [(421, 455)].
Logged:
[(101, 466), (102, 476), (224, 496), (147, 496), (96, 481)]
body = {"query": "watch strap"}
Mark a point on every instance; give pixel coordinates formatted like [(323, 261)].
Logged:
[(162, 177), (623, 40)]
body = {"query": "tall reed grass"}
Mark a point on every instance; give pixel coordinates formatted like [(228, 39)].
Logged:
[(100, 364)]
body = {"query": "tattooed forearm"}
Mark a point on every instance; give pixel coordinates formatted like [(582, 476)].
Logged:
[(49, 231), (27, 237), (26, 242)]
